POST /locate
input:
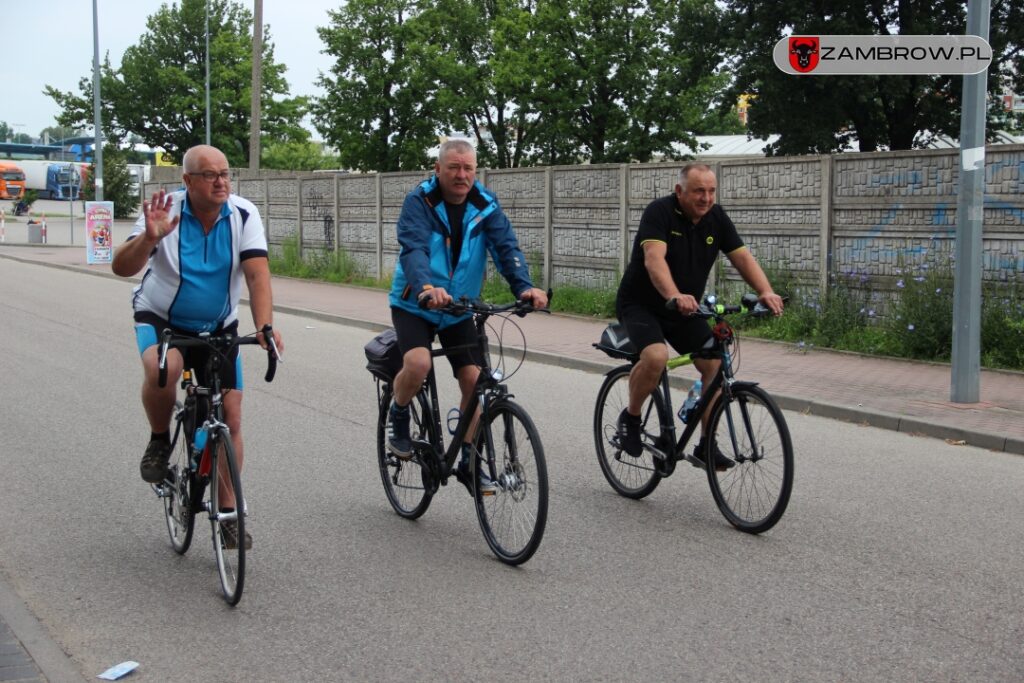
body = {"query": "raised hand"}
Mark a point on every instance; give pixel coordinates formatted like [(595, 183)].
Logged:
[(156, 211)]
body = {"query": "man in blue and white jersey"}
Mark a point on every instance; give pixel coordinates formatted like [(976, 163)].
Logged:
[(197, 246), (447, 226)]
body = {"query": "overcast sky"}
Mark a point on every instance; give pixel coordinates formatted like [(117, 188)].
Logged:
[(51, 43)]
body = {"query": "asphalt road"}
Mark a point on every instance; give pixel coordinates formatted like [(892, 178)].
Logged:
[(900, 558)]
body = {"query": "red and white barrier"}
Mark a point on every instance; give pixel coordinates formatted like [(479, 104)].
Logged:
[(44, 228), (3, 226)]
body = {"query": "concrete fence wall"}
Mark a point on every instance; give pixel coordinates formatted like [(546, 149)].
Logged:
[(880, 215)]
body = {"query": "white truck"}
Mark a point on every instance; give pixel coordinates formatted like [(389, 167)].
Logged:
[(54, 179)]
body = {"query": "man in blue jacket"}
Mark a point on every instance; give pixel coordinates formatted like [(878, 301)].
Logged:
[(447, 225)]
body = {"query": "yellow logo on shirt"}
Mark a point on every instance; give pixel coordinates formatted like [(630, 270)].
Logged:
[(710, 240)]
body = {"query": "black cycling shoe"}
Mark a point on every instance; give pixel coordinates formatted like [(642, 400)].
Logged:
[(154, 463), (722, 463), (484, 483), (629, 434), (399, 441)]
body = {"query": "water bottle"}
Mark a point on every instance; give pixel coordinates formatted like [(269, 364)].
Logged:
[(199, 444), (453, 420), (686, 410)]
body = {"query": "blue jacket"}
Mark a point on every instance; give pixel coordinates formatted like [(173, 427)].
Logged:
[(425, 259)]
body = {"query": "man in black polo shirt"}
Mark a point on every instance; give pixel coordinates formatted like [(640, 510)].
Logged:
[(679, 239)]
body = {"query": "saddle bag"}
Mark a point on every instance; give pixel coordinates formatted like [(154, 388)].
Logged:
[(383, 357), (615, 342)]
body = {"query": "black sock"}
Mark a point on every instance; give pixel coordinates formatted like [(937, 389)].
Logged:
[(162, 436)]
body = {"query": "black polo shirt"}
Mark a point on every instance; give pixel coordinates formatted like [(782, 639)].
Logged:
[(692, 250)]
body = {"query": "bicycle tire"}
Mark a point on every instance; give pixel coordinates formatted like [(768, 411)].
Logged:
[(754, 493), (513, 518), (230, 561), (405, 481), (632, 477), (178, 511)]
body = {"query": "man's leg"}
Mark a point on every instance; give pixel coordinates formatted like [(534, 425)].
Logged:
[(158, 402), (645, 375)]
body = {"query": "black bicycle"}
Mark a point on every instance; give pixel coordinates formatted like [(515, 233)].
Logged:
[(513, 514), (203, 455), (742, 421)]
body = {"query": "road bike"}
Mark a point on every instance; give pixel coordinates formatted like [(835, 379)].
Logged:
[(512, 516), (742, 421), (203, 456)]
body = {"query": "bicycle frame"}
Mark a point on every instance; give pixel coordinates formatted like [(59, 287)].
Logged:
[(486, 390), (723, 380)]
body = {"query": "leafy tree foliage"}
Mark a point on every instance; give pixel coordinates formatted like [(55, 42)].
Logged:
[(297, 156), (626, 79), (117, 182), (158, 93), (7, 134), (549, 81), (380, 111), (814, 114)]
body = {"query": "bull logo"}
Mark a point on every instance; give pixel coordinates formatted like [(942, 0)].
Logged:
[(803, 53)]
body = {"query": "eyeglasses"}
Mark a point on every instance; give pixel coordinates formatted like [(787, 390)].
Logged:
[(210, 176)]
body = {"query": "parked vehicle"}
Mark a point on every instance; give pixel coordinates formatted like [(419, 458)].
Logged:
[(53, 179), (12, 181)]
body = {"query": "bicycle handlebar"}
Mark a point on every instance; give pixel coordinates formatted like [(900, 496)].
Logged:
[(710, 308), (177, 341), (476, 306)]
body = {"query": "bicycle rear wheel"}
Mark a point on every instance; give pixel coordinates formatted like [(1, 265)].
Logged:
[(513, 518), (630, 477), (178, 487), (404, 480), (750, 429), (229, 542)]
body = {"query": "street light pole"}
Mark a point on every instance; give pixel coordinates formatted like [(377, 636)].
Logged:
[(207, 72), (96, 121), (257, 85)]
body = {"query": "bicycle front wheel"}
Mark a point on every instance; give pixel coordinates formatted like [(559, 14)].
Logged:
[(404, 479), (749, 429), (177, 495), (513, 517), (228, 525), (632, 477)]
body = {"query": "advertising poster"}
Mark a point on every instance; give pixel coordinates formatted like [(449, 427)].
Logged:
[(99, 224)]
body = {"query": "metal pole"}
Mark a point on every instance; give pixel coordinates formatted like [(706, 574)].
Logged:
[(96, 120), (257, 85), (207, 72), (965, 384)]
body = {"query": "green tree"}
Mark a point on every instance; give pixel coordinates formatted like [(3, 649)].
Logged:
[(821, 114), (159, 93), (6, 132), (117, 182), (380, 110), (297, 156), (483, 52), (624, 80)]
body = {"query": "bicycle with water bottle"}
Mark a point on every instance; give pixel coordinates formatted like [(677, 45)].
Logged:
[(744, 424), (203, 468)]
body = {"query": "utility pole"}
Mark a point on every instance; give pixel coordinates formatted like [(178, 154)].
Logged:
[(257, 85), (97, 153), (965, 384), (207, 72)]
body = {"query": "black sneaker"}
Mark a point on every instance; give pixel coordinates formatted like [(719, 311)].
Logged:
[(629, 434), (484, 483), (154, 463), (399, 441), (229, 533), (722, 463)]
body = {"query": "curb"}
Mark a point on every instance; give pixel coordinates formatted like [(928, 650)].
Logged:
[(904, 424), (49, 658)]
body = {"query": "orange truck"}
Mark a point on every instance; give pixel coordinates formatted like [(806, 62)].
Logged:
[(12, 181)]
